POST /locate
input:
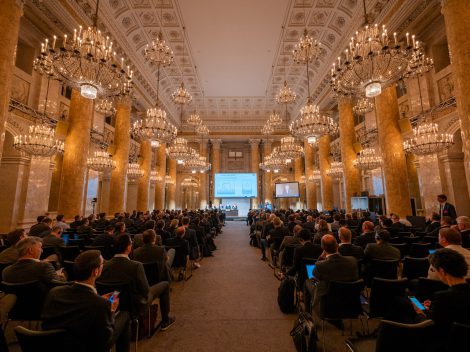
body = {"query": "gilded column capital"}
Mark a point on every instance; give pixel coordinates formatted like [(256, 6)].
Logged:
[(216, 143), (254, 142), (123, 100)]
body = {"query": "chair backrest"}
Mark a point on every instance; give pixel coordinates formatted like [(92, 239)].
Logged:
[(69, 252), (180, 255), (52, 340), (126, 302), (288, 256), (152, 272), (402, 247), (395, 336), (419, 250), (386, 269), (427, 288), (30, 298), (68, 267), (383, 293), (414, 268), (342, 300), (458, 336), (47, 251)]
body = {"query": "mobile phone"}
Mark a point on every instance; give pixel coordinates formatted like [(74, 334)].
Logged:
[(417, 303), (114, 296)]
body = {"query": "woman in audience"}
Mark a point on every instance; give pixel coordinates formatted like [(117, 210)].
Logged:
[(323, 229)]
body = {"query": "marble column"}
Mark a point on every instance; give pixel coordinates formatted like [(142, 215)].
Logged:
[(310, 187), (203, 186), (298, 172), (254, 143), (171, 200), (456, 16), (397, 195), (326, 182), (131, 195), (103, 204), (215, 165), (55, 184), (351, 174), (144, 181), (10, 14), (74, 164), (160, 185), (268, 179), (117, 197)]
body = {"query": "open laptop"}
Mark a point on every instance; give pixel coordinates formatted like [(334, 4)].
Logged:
[(309, 268)]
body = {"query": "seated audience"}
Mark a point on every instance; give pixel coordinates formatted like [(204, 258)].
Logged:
[(382, 249), (76, 222), (85, 230), (322, 230), (309, 224), (162, 232), (432, 229), (305, 250), (276, 236), (11, 255), (88, 318), (397, 224), (121, 269), (42, 228), (101, 222), (106, 240), (367, 236), (54, 239), (60, 222), (345, 246), (463, 225)]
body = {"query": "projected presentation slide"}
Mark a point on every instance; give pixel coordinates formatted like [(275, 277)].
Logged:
[(236, 185), (287, 190)]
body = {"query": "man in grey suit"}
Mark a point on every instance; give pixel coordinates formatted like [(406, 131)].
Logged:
[(121, 269), (334, 267)]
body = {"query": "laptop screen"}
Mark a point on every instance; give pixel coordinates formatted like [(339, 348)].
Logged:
[(65, 237), (309, 268)]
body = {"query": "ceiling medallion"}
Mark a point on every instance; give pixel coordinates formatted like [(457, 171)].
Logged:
[(427, 140), (336, 170), (39, 142), (134, 171), (101, 161), (368, 159)]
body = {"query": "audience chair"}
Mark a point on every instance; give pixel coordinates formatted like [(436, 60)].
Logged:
[(386, 269), (401, 247), (80, 243), (396, 240), (69, 252), (288, 256), (383, 294), (51, 341), (152, 272), (3, 266), (427, 287), (419, 250), (414, 268), (458, 336), (181, 260), (430, 239), (48, 251), (68, 267), (342, 301)]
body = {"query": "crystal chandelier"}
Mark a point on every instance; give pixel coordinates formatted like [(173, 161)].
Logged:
[(368, 159), (87, 61), (202, 130), (274, 119), (371, 62), (154, 127), (134, 171), (105, 107), (196, 165), (267, 130), (179, 150), (311, 125), (101, 161), (315, 176), (169, 180), (427, 140), (39, 142), (189, 182), (363, 106), (335, 170), (289, 149), (159, 53), (285, 95), (272, 163), (155, 177), (418, 63), (194, 119), (306, 50), (181, 96)]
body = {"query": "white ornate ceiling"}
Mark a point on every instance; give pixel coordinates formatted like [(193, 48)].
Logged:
[(238, 52)]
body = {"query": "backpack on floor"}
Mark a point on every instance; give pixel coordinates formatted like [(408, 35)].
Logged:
[(304, 333), (286, 295)]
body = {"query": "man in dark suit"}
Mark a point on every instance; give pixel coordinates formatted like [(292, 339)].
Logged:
[(309, 224), (432, 229), (191, 236), (306, 250), (276, 235), (106, 240), (151, 253), (346, 248), (445, 208), (11, 255), (463, 225), (334, 267), (42, 228), (53, 239), (88, 318), (367, 236), (120, 269), (382, 249), (101, 223)]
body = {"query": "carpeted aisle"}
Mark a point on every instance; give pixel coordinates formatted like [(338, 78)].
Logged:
[(230, 303)]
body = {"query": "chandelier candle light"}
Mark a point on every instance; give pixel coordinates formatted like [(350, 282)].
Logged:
[(197, 165), (289, 149), (368, 159), (39, 142), (105, 107), (315, 176), (155, 177), (427, 140), (101, 161), (363, 106), (134, 171), (272, 163), (179, 150), (335, 170)]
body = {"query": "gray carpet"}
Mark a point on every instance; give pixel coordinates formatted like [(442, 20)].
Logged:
[(230, 303)]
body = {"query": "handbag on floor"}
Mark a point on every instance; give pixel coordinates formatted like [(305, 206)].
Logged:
[(304, 333), (286, 295)]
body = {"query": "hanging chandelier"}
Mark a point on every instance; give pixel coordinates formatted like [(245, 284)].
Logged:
[(427, 140), (274, 119), (39, 142), (134, 171), (419, 63), (306, 50), (169, 180), (368, 159), (154, 127), (363, 106), (202, 130), (181, 96), (87, 61), (267, 130), (189, 182), (155, 177), (101, 161), (196, 165), (272, 163), (286, 95), (335, 170), (158, 52), (288, 149), (179, 150), (311, 125), (194, 119), (315, 176), (105, 107)]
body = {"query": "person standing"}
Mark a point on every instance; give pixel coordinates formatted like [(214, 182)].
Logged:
[(445, 208)]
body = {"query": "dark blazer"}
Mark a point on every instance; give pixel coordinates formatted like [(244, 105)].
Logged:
[(465, 238), (334, 268), (86, 316), (39, 230), (309, 225), (123, 270), (351, 250), (276, 235), (382, 251), (308, 250), (107, 242), (26, 270), (52, 241), (191, 237), (448, 210), (9, 255), (433, 228), (364, 239), (149, 253)]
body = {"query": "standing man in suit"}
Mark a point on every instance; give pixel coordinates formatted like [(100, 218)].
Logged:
[(445, 208), (88, 318), (121, 269), (334, 267)]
